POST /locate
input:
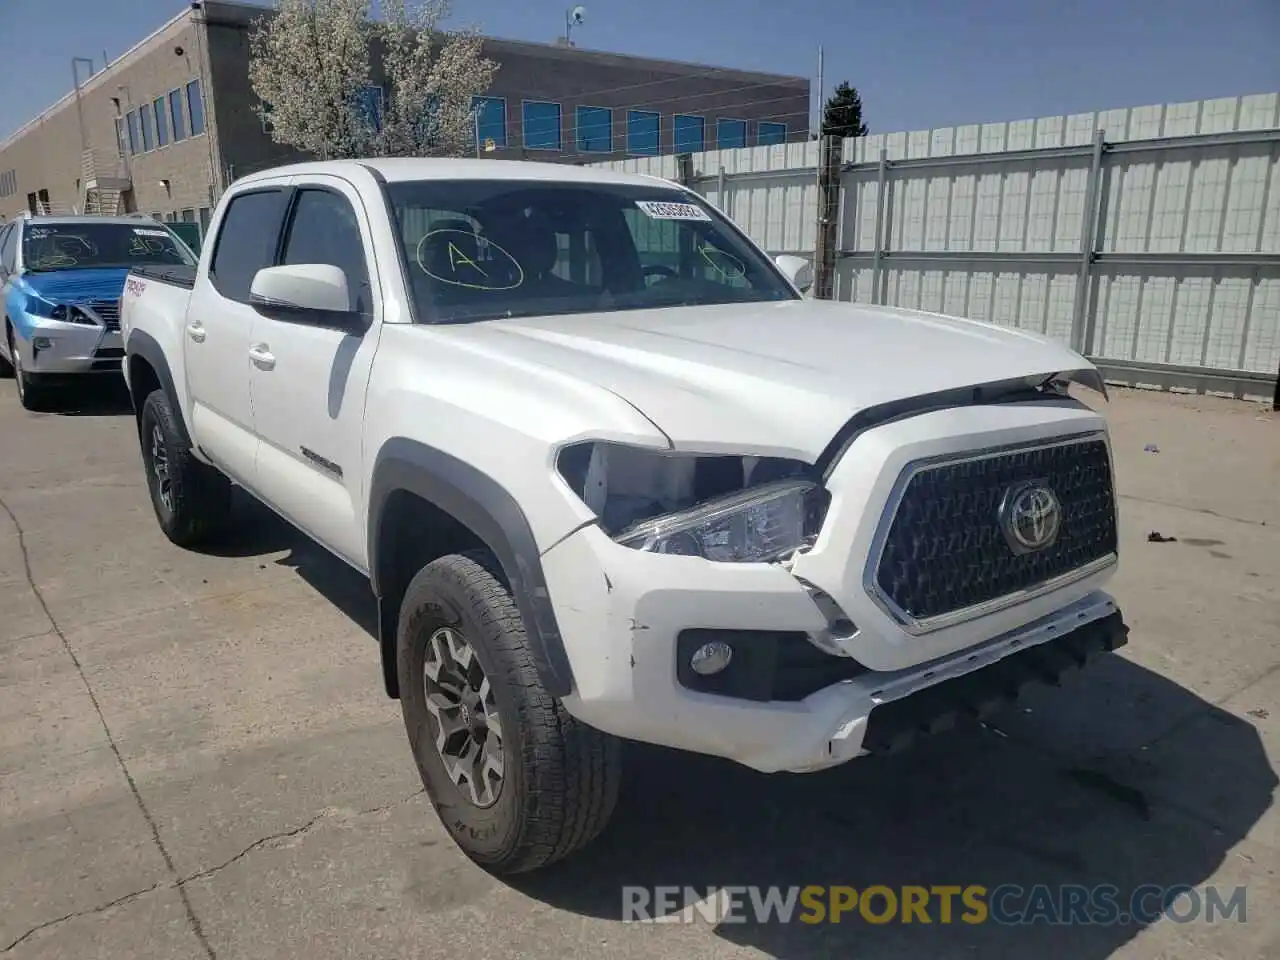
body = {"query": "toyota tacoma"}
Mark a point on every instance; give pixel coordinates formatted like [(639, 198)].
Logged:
[(613, 475)]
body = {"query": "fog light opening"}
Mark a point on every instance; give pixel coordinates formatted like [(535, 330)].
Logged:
[(711, 658), (41, 343)]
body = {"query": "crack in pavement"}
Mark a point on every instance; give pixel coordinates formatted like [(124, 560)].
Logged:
[(77, 914), (179, 884), (192, 919), (1201, 510), (297, 832)]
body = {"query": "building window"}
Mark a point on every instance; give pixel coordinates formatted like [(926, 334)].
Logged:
[(188, 216), (195, 108), (121, 137), (175, 116), (595, 129), (204, 220), (769, 133), (541, 125), (170, 216), (642, 132), (731, 133), (148, 135), (162, 127), (135, 142), (369, 106), (690, 134), (491, 120)]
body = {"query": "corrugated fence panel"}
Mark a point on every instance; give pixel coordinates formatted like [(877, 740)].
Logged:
[(1198, 202)]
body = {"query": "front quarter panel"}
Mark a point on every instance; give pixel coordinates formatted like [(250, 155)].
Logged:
[(503, 417)]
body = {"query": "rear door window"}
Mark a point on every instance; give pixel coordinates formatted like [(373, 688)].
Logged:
[(246, 241)]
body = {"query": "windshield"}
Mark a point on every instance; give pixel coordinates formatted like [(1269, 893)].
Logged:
[(79, 246), (484, 249)]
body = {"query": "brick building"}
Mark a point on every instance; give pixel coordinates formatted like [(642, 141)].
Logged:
[(165, 127)]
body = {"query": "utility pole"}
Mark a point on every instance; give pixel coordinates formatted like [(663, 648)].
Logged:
[(75, 79)]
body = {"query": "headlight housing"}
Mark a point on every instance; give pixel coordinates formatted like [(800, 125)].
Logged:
[(67, 313), (758, 525)]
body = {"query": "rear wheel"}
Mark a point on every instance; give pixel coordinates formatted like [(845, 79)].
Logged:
[(191, 500), (516, 780)]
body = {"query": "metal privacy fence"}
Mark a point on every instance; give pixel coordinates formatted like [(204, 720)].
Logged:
[(1146, 238)]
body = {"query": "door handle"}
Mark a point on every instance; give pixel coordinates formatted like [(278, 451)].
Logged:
[(196, 332), (261, 356)]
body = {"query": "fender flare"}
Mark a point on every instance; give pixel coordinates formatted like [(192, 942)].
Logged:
[(480, 503), (142, 344)]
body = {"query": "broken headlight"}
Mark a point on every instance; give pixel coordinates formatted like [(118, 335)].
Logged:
[(757, 525)]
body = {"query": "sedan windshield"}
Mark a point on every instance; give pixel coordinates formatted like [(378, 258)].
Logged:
[(80, 246), (485, 249)]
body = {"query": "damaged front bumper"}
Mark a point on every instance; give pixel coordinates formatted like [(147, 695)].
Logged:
[(627, 626)]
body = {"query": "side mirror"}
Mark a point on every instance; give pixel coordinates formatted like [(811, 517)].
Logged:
[(312, 292), (798, 270)]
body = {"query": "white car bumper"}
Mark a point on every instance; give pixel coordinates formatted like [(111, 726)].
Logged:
[(56, 348), (630, 621)]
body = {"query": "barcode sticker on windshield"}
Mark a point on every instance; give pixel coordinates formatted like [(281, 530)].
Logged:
[(150, 233), (662, 210)]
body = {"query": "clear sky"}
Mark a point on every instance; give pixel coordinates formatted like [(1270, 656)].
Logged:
[(918, 63)]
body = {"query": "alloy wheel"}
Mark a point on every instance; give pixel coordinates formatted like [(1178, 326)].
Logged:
[(160, 468), (464, 716)]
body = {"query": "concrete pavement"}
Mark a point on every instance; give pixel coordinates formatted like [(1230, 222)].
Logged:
[(197, 760)]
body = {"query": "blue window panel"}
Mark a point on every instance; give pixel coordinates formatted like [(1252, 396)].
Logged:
[(135, 141), (541, 125), (491, 120), (195, 108), (731, 133), (642, 132), (177, 120), (769, 133), (691, 134), (162, 127), (595, 129), (148, 135), (369, 107)]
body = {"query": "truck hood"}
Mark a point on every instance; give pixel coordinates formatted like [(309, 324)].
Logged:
[(77, 286), (774, 379)]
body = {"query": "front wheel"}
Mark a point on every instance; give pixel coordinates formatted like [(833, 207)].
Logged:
[(32, 394), (191, 500), (516, 780)]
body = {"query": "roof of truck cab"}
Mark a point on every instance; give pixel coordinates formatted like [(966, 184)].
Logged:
[(396, 169)]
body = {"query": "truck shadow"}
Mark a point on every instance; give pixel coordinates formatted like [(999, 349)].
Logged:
[(1119, 778)]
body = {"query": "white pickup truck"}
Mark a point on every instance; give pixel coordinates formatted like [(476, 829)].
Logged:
[(613, 475)]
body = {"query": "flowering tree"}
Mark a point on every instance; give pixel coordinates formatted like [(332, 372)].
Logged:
[(311, 64)]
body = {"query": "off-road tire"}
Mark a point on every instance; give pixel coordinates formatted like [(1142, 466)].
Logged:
[(200, 497), (560, 779)]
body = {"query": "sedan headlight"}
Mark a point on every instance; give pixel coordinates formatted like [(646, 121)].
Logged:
[(757, 525)]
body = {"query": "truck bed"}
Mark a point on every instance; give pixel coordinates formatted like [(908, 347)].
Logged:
[(178, 276)]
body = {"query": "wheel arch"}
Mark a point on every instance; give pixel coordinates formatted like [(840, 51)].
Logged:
[(411, 476), (148, 371)]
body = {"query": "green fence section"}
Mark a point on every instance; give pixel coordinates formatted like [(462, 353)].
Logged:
[(189, 232)]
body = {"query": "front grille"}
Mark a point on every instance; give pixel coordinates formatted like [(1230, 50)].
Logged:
[(109, 311), (945, 550)]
